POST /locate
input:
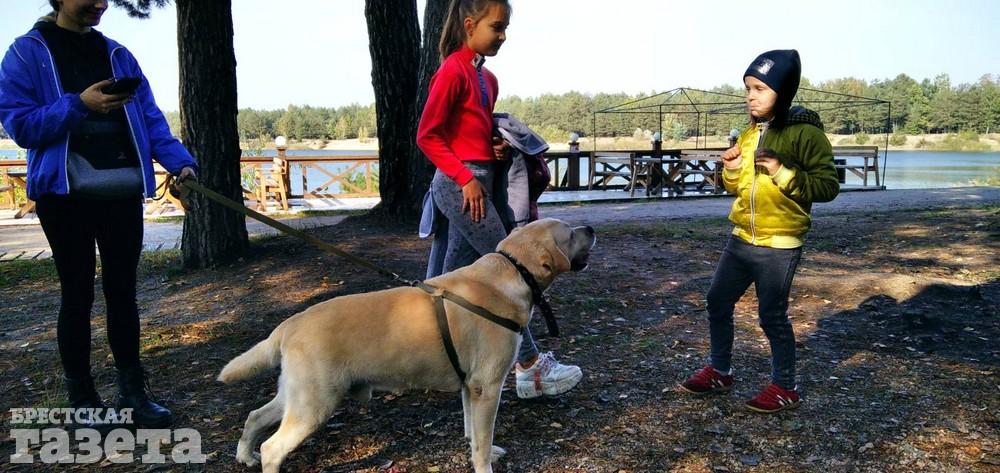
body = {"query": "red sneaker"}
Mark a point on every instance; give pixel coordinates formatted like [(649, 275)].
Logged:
[(773, 399), (708, 381)]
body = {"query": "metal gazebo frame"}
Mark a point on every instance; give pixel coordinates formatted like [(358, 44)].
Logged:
[(687, 101)]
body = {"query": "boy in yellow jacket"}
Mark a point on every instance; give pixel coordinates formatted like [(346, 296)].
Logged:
[(781, 164)]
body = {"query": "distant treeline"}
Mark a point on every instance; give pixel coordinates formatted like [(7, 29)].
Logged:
[(929, 106), (301, 123)]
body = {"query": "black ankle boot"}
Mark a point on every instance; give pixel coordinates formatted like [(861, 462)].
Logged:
[(83, 395), (132, 394)]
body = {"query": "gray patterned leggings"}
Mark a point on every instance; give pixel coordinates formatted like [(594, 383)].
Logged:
[(459, 241)]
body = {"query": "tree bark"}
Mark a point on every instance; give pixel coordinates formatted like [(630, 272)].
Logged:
[(421, 170), (212, 234), (394, 42)]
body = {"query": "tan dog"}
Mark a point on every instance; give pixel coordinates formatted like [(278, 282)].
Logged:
[(389, 341)]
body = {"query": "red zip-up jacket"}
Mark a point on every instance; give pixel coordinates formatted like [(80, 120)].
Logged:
[(455, 126)]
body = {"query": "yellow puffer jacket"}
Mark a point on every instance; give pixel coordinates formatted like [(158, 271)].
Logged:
[(773, 211)]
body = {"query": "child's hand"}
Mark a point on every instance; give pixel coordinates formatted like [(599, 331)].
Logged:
[(767, 159), (500, 148), (474, 200), (731, 158)]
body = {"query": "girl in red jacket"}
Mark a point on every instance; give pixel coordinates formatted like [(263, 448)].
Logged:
[(456, 134)]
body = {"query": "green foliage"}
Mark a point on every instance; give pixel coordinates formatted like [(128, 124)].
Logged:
[(341, 129), (305, 123), (678, 131), (174, 122), (552, 134), (930, 106), (862, 138), (139, 8), (358, 179), (897, 139), (962, 141), (15, 272)]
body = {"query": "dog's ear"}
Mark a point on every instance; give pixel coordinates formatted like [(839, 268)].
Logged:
[(553, 259)]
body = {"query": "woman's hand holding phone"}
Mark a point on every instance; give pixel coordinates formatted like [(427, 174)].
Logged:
[(98, 101)]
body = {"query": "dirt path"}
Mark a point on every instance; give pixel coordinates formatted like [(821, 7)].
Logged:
[(896, 316)]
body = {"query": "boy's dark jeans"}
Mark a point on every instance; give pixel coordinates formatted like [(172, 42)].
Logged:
[(771, 270)]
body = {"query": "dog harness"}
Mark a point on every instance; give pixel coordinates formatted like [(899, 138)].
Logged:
[(440, 295)]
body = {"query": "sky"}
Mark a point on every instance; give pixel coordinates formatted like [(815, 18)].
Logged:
[(315, 52)]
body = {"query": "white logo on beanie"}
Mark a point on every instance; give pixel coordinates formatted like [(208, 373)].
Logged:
[(764, 66)]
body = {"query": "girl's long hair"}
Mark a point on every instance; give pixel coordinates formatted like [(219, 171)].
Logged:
[(453, 34)]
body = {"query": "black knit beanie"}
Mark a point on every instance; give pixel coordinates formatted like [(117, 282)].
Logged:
[(780, 70)]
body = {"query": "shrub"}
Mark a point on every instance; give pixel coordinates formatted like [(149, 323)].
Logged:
[(897, 139)]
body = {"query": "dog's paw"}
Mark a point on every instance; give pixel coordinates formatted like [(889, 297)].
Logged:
[(252, 459), (495, 453)]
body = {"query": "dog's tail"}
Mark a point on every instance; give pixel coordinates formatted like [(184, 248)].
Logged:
[(264, 355)]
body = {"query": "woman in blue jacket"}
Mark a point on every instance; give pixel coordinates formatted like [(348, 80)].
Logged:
[(89, 166)]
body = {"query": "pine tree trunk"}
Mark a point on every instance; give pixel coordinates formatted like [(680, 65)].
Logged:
[(212, 233), (394, 42), (421, 170)]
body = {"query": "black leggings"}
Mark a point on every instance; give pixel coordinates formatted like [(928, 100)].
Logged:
[(72, 225)]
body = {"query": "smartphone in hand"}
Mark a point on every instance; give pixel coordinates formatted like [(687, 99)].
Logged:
[(122, 85)]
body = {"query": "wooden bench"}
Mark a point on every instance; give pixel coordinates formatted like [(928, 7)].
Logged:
[(647, 171), (273, 181), (613, 164), (704, 164), (869, 155), (7, 191), (8, 199)]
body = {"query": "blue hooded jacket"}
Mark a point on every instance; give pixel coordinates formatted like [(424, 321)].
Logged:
[(39, 116)]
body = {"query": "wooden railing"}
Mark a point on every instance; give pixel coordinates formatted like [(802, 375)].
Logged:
[(331, 182), (356, 175), (320, 176), (617, 169)]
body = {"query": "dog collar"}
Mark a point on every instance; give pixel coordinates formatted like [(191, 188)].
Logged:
[(537, 297)]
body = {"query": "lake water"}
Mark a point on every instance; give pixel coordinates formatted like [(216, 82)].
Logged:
[(903, 169)]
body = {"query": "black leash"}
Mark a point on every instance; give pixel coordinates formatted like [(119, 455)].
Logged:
[(537, 297)]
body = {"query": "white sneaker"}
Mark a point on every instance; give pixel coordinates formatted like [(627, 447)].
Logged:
[(547, 376)]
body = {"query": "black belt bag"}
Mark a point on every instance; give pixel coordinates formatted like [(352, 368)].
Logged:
[(106, 165)]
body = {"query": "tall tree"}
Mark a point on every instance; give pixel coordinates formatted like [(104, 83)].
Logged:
[(394, 44), (212, 234), (420, 168), (401, 71)]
